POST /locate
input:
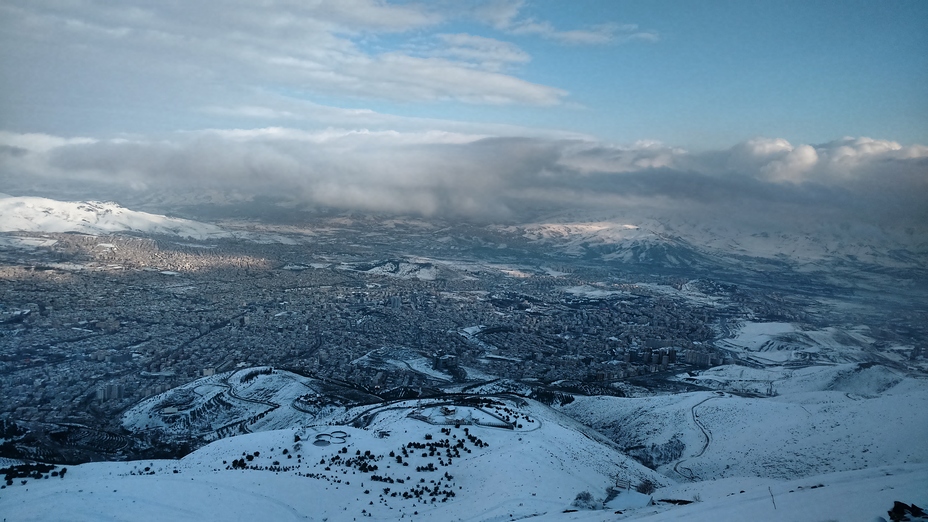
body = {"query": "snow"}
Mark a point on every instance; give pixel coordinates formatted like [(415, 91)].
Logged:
[(471, 331), (592, 292), (402, 358), (629, 500), (229, 403), (752, 336), (577, 232), (552, 272), (855, 495), (34, 214), (474, 374), (519, 473), (774, 343), (630, 236), (401, 270), (836, 443), (27, 243), (823, 419)]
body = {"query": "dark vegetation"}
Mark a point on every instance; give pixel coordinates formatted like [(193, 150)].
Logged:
[(30, 471)]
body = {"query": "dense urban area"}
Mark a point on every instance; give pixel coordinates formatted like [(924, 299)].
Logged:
[(90, 326)]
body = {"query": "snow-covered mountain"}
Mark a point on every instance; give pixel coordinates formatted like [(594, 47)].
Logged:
[(660, 240), (672, 241), (35, 214)]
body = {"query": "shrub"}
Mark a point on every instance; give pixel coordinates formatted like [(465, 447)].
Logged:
[(584, 500), (647, 487)]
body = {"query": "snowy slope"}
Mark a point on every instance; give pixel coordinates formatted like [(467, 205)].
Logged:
[(824, 419), (837, 443), (479, 472), (863, 496), (34, 214), (398, 269), (771, 343), (247, 400), (203, 490)]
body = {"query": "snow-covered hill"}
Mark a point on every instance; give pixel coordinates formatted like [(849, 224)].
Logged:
[(865, 495), (823, 419), (419, 460), (396, 268), (836, 442), (34, 214), (506, 476), (247, 400), (776, 343)]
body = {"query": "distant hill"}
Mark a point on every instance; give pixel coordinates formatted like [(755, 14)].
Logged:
[(33, 214)]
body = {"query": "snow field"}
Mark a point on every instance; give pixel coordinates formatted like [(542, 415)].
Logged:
[(824, 419), (507, 474)]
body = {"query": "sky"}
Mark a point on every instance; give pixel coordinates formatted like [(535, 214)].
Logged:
[(397, 105)]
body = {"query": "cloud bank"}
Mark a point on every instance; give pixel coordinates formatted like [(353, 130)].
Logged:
[(474, 177)]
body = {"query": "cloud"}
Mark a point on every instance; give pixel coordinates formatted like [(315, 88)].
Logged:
[(368, 14), (486, 53), (37, 142), (596, 35), (250, 111), (486, 178), (497, 13), (318, 116), (504, 15), (205, 50)]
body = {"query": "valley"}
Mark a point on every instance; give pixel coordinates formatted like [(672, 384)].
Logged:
[(628, 368)]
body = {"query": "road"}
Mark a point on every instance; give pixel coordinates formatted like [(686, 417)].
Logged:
[(684, 471)]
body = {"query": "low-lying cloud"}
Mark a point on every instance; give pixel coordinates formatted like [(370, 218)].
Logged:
[(465, 176)]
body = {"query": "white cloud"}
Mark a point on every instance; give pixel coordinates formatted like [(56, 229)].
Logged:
[(329, 47), (598, 35), (476, 176), (483, 52), (37, 142), (497, 13), (317, 116), (504, 15), (368, 14), (250, 111), (793, 165)]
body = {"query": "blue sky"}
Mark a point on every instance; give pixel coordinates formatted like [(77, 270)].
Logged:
[(474, 108), (699, 75)]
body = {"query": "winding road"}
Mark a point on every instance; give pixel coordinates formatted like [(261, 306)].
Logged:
[(684, 471)]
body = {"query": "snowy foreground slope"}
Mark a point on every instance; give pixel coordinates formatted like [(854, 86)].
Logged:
[(837, 443), (493, 486), (406, 463), (864, 496), (34, 214), (839, 418)]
